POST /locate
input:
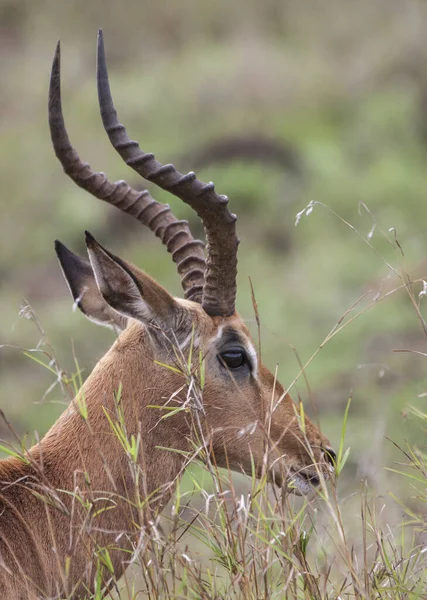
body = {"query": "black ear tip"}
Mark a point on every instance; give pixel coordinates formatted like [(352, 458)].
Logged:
[(65, 256), (89, 238), (59, 247)]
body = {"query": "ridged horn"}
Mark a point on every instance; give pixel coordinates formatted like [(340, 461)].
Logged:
[(175, 234), (219, 290)]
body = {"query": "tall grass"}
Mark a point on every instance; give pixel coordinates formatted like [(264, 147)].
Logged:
[(221, 539), (224, 535)]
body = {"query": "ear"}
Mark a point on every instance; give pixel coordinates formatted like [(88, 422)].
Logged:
[(129, 291), (82, 284)]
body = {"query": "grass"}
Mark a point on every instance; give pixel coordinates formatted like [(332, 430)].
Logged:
[(225, 535), (349, 101)]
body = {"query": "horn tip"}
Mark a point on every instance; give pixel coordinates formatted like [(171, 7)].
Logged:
[(100, 42), (56, 58), (55, 74)]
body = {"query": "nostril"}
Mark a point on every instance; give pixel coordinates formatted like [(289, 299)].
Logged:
[(330, 456), (312, 478)]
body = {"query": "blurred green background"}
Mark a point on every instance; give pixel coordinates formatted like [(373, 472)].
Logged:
[(328, 103)]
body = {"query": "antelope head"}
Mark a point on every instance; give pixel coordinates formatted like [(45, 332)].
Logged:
[(246, 415)]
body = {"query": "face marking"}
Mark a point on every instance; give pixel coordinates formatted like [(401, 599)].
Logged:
[(187, 341), (219, 333), (253, 357)]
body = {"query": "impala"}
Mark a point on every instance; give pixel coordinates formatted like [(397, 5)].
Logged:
[(78, 487)]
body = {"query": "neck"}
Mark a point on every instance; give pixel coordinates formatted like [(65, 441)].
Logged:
[(86, 472)]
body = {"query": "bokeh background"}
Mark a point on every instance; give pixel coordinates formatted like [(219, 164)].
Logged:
[(281, 103)]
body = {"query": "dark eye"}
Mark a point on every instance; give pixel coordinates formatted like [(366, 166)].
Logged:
[(233, 359)]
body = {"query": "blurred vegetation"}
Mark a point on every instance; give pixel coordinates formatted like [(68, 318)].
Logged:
[(340, 85)]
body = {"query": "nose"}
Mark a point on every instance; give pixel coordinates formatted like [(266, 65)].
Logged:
[(329, 455), (311, 478)]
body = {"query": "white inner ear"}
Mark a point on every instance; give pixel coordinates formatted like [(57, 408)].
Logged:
[(98, 311), (134, 305), (113, 281)]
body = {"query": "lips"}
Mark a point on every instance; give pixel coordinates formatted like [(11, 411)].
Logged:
[(303, 480), (303, 483), (298, 482)]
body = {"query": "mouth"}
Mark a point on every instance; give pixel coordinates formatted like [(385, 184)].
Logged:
[(305, 479), (296, 482), (301, 483)]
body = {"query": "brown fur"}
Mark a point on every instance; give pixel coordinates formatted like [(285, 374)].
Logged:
[(83, 456), (78, 492)]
